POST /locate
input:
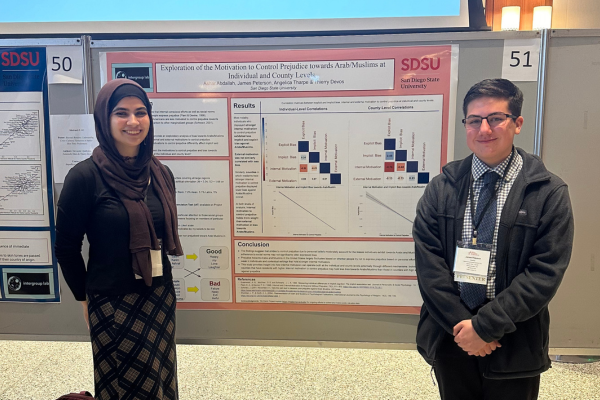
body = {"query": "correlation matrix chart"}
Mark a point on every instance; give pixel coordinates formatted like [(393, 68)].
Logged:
[(333, 166), (399, 151), (294, 153), (305, 168)]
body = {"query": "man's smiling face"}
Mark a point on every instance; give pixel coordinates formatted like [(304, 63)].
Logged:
[(492, 145)]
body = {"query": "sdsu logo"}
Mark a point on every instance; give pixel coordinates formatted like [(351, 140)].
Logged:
[(425, 63), (23, 59)]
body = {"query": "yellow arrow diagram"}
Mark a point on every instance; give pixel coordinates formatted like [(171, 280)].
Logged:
[(191, 257), (192, 289)]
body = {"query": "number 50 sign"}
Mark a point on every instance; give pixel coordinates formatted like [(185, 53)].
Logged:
[(521, 59), (65, 64)]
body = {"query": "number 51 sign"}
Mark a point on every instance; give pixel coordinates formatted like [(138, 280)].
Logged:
[(521, 59)]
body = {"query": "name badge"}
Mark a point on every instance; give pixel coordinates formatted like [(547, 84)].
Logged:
[(472, 262), (157, 267)]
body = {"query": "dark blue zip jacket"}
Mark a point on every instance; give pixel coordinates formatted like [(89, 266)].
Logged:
[(534, 247)]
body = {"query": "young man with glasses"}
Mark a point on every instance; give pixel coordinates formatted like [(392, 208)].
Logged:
[(493, 237)]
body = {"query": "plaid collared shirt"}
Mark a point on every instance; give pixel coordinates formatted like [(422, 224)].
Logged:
[(479, 168)]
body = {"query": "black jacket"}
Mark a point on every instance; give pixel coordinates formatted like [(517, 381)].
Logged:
[(534, 247), (88, 206)]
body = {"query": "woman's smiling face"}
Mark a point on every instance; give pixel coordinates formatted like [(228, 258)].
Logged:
[(129, 125)]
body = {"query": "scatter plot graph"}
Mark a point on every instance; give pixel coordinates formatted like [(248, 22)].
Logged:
[(302, 212), (386, 212), (21, 190), (20, 136), (308, 211), (382, 204)]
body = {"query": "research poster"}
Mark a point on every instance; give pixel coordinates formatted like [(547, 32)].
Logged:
[(28, 270), (298, 172)]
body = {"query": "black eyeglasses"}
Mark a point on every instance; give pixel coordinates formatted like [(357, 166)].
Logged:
[(494, 119)]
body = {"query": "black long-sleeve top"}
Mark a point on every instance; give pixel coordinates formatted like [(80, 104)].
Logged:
[(88, 206)]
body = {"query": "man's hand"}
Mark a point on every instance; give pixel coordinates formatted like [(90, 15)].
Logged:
[(468, 340), (486, 350)]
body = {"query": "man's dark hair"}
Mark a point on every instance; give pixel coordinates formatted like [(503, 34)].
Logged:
[(499, 89)]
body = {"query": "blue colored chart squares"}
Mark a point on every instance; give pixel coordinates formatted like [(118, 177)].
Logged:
[(389, 144), (312, 170), (400, 169), (400, 155), (412, 166), (423, 178), (303, 146)]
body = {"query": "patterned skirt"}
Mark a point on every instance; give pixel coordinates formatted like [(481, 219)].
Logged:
[(133, 340)]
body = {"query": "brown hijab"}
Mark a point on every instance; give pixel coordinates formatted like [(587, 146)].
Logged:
[(130, 180)]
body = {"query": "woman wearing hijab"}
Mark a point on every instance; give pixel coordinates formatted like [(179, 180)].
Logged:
[(123, 199)]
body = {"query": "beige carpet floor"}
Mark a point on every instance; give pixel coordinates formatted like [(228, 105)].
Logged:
[(46, 370)]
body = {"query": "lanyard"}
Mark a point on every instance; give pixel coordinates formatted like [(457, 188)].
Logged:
[(490, 201), (146, 191)]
